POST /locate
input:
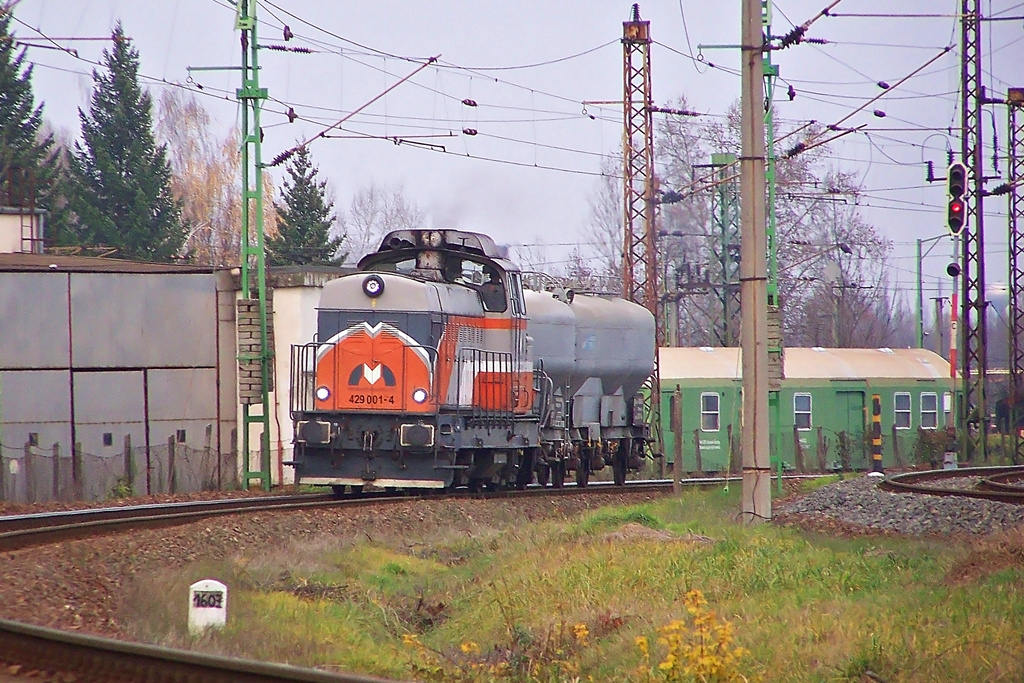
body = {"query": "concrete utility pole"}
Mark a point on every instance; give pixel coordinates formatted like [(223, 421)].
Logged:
[(756, 505)]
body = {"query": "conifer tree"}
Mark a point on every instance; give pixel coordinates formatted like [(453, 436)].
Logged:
[(304, 220), (120, 185), (26, 157)]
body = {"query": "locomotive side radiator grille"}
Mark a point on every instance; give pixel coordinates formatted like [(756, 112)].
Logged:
[(486, 384)]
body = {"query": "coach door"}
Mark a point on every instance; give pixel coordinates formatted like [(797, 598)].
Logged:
[(850, 419)]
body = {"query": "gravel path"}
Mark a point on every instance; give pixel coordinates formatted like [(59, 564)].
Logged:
[(859, 502)]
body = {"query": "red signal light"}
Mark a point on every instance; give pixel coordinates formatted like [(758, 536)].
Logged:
[(955, 216)]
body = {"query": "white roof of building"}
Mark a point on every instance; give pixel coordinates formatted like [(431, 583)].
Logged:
[(707, 362)]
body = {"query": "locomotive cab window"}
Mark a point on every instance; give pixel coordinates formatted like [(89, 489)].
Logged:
[(929, 410), (492, 291), (802, 411), (709, 412), (901, 410), (515, 285)]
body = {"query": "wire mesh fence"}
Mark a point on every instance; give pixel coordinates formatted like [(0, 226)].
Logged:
[(38, 475)]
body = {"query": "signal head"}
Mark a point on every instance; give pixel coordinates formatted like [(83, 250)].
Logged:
[(953, 269), (955, 215), (956, 180)]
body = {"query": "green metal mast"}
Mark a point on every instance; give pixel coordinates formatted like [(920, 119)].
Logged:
[(725, 216), (254, 352), (775, 359)]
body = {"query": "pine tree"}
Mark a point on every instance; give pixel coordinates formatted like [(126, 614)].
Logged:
[(305, 219), (120, 185), (26, 157)]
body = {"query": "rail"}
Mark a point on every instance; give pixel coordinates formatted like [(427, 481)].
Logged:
[(95, 658), (922, 483)]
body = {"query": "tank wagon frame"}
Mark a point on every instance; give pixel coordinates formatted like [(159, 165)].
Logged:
[(434, 367)]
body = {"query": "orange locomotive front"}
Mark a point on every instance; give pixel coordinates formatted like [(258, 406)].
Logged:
[(420, 374)]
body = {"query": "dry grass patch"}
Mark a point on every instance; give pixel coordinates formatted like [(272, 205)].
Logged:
[(987, 556)]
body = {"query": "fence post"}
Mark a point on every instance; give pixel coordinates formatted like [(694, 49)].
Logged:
[(77, 482), (897, 455), (696, 447), (171, 480), (676, 418), (798, 450), (27, 466), (56, 471), (208, 451), (234, 457), (129, 465), (3, 475)]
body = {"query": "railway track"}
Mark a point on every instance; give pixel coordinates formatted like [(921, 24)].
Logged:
[(91, 658), (1001, 484)]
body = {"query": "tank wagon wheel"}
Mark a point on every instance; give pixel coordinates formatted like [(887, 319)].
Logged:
[(558, 474), (583, 471), (619, 468), (339, 491)]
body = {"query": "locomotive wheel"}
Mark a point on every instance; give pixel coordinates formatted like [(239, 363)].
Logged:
[(543, 474), (524, 476), (619, 469), (583, 472), (558, 474)]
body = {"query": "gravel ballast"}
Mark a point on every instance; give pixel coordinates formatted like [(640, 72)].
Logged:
[(860, 501)]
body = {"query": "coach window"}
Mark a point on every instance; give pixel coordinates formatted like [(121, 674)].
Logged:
[(802, 411), (709, 412), (901, 410), (929, 410)]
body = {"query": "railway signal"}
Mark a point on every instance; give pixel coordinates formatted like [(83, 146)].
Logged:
[(956, 182)]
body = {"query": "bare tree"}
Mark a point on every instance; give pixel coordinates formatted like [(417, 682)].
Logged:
[(206, 179), (376, 211), (817, 224)]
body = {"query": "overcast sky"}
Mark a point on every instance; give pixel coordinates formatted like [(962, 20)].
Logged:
[(527, 176)]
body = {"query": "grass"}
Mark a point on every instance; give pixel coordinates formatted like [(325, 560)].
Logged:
[(583, 599)]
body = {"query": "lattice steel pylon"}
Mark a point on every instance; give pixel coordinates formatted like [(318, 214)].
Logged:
[(974, 336), (725, 216), (639, 255), (1015, 117)]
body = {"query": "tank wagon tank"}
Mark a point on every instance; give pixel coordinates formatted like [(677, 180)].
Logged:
[(433, 366)]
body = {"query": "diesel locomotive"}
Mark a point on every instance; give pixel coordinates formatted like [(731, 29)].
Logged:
[(435, 366)]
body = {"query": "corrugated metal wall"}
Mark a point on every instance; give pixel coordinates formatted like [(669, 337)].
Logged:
[(95, 357)]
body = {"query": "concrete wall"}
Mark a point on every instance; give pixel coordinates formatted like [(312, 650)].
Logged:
[(296, 296)]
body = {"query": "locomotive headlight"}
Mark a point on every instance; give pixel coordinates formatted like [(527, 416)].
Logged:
[(322, 393), (419, 395), (373, 286)]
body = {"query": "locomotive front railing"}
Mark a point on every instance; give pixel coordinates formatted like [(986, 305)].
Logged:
[(487, 385), (302, 382)]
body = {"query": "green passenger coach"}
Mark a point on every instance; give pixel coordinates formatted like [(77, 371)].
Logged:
[(823, 415)]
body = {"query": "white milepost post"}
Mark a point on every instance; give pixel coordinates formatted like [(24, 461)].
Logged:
[(207, 606)]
